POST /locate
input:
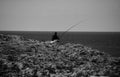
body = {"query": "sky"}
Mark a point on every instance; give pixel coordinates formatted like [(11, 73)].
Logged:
[(60, 15)]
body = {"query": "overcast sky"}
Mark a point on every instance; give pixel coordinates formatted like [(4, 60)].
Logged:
[(59, 15)]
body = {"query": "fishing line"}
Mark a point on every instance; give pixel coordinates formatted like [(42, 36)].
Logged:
[(71, 28)]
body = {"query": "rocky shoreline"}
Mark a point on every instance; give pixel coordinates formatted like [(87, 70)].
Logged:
[(21, 57)]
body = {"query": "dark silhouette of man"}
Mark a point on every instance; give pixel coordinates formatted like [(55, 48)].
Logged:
[(55, 37)]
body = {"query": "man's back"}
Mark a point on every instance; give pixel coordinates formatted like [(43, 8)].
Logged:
[(55, 37)]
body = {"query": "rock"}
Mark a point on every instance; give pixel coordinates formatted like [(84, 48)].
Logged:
[(54, 59)]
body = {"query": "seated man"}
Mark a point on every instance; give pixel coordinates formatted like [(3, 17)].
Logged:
[(55, 37)]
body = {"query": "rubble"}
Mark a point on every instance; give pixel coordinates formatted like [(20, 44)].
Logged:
[(30, 58)]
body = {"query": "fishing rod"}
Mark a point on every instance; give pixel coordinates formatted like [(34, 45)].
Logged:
[(71, 28)]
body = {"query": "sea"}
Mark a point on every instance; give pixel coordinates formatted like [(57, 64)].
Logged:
[(108, 42)]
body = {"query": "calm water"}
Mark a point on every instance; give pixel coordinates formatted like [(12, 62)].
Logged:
[(108, 42)]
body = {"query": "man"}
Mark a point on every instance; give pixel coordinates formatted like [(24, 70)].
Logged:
[(55, 37)]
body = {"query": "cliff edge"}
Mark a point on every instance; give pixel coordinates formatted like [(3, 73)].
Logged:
[(21, 57)]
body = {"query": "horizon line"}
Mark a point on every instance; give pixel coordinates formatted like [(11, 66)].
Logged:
[(52, 31)]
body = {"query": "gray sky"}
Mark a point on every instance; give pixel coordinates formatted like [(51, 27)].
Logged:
[(59, 15)]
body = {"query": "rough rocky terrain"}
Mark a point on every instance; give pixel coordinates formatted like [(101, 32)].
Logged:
[(21, 57)]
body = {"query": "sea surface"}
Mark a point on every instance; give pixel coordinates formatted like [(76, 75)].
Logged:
[(108, 42)]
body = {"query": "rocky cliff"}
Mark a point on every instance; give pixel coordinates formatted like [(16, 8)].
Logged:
[(20, 57)]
